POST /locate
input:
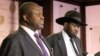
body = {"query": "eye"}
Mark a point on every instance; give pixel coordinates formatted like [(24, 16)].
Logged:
[(75, 25), (38, 14)]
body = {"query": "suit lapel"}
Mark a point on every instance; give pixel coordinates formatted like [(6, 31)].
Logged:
[(29, 40), (61, 44), (33, 44)]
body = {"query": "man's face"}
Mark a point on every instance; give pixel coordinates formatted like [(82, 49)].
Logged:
[(72, 27), (36, 18)]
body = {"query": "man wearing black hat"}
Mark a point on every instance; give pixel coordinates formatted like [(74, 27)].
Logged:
[(66, 42)]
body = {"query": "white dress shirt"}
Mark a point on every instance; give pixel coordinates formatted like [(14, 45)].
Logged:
[(68, 44), (31, 34)]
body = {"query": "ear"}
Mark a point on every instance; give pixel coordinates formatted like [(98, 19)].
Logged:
[(25, 18), (65, 24)]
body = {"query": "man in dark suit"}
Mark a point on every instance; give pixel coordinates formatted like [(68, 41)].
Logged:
[(23, 42), (66, 43)]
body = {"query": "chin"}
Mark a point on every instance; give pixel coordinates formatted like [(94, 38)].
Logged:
[(41, 27), (75, 33)]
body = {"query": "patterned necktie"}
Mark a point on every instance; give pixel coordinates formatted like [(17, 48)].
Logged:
[(72, 41), (40, 43)]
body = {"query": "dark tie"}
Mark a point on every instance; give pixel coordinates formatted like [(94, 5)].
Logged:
[(40, 43), (72, 41)]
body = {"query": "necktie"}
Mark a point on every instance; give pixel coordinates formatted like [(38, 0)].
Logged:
[(39, 41), (74, 46)]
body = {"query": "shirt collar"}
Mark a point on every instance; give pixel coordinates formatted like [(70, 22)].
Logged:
[(29, 31)]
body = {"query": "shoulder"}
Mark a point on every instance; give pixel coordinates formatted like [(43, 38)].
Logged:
[(14, 37), (54, 36), (97, 54)]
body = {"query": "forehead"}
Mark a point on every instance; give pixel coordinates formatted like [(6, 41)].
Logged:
[(39, 8), (74, 24), (29, 6), (36, 8)]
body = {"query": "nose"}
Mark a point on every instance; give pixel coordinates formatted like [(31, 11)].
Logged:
[(76, 29)]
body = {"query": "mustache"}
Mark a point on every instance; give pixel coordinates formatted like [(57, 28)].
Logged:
[(71, 35)]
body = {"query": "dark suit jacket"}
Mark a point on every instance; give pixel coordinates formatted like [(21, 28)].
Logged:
[(97, 54), (21, 44), (56, 41)]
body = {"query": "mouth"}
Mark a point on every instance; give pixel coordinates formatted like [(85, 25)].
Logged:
[(42, 24), (74, 33)]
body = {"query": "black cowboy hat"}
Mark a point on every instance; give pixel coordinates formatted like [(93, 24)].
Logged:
[(71, 16)]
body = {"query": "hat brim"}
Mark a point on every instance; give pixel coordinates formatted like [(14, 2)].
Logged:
[(61, 21)]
